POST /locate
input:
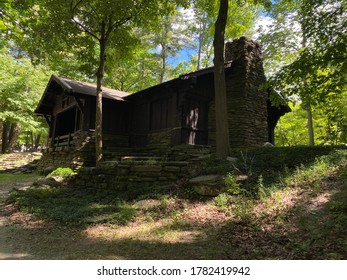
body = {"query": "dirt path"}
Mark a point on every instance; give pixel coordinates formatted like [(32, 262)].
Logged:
[(6, 248)]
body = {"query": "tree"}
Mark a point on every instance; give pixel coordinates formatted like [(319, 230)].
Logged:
[(134, 72), (240, 21), (20, 88), (317, 68), (222, 129), (99, 20), (89, 27), (168, 36)]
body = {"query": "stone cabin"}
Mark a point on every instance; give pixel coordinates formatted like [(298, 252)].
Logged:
[(176, 112)]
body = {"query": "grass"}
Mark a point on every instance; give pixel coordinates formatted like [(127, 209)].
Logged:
[(73, 207), (282, 211), (9, 178)]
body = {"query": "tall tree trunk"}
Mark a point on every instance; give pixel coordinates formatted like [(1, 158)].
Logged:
[(200, 47), (310, 125), (37, 139), (163, 62), (13, 136), (222, 129), (203, 26), (99, 83), (4, 136), (309, 108), (9, 136)]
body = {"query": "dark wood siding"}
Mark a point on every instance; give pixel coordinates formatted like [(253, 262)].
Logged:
[(116, 117), (140, 124), (159, 114)]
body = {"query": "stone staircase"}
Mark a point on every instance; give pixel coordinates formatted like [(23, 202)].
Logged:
[(19, 162), (137, 167)]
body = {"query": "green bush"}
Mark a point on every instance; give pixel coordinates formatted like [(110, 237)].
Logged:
[(63, 172), (232, 186)]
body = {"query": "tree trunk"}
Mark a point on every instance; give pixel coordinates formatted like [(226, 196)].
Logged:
[(13, 136), (99, 83), (37, 139), (222, 129), (9, 136), (309, 108), (203, 26), (4, 136), (310, 125), (163, 62)]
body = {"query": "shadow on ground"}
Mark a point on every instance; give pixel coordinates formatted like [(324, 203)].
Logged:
[(314, 228)]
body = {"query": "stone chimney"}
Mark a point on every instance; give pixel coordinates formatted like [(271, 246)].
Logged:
[(242, 47), (246, 97)]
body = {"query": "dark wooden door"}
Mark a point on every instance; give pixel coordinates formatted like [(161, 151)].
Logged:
[(194, 122)]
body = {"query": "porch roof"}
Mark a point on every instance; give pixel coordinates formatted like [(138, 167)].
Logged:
[(57, 85)]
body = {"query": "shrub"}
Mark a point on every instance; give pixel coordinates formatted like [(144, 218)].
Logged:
[(232, 186), (63, 172)]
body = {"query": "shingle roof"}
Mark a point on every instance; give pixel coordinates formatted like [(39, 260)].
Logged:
[(84, 88), (73, 88)]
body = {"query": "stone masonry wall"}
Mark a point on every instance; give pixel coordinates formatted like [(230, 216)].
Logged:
[(72, 157), (179, 162)]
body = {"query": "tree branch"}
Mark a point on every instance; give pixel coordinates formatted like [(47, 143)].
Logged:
[(113, 26), (85, 29)]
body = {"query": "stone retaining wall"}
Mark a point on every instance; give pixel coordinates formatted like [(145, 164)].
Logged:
[(65, 157), (174, 163), (121, 175)]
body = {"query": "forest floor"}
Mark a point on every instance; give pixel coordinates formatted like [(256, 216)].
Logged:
[(304, 218)]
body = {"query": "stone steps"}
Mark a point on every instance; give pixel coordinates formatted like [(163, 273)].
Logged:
[(134, 172), (19, 162)]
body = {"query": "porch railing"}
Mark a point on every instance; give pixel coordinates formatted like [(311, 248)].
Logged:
[(64, 140)]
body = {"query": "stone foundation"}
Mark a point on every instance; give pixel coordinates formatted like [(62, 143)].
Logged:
[(65, 157), (179, 162), (120, 175), (159, 166)]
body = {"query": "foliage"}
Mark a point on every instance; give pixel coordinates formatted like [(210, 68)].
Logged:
[(329, 123), (305, 53), (240, 21), (21, 86), (134, 72), (70, 206), (308, 175), (63, 172), (304, 218), (231, 184)]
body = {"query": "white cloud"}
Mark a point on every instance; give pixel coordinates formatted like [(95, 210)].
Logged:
[(262, 23)]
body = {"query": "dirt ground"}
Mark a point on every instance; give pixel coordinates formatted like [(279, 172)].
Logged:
[(25, 237), (6, 249), (296, 223)]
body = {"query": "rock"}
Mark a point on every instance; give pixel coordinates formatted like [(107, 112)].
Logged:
[(31, 166), (232, 159), (208, 185), (268, 144), (48, 181), (146, 168), (48, 170)]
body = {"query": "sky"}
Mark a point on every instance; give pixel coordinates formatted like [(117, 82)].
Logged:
[(185, 54)]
